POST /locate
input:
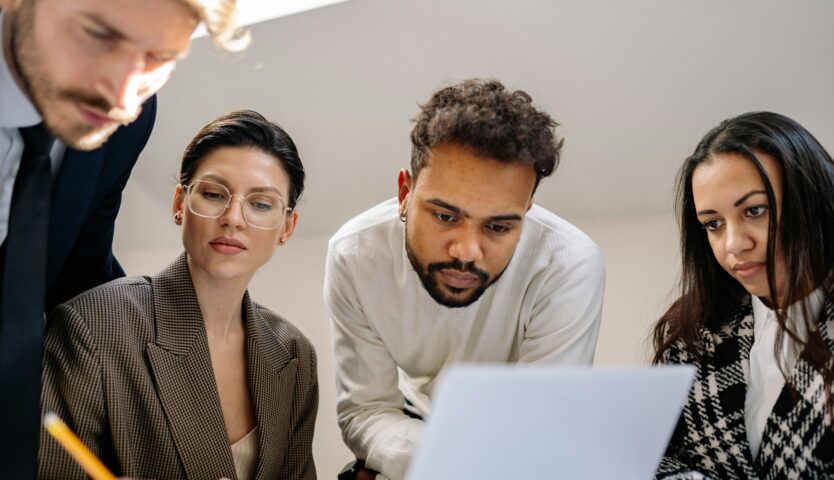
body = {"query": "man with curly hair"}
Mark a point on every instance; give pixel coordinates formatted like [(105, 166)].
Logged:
[(461, 267)]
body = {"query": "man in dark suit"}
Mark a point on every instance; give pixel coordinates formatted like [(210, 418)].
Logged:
[(77, 105)]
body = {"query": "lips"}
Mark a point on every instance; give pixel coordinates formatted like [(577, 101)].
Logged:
[(93, 118), (747, 269), (228, 246), (458, 279)]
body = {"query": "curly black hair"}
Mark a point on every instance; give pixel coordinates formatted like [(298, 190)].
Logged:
[(495, 122)]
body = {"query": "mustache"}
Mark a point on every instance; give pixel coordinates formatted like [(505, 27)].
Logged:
[(468, 267), (100, 104)]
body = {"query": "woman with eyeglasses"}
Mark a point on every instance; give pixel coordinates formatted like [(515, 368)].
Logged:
[(756, 311), (182, 374)]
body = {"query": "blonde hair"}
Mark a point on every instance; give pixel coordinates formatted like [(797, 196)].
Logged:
[(220, 19)]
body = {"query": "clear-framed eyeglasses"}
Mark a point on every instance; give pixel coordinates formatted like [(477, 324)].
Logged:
[(211, 200)]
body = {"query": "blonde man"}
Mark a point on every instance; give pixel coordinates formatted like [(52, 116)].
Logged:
[(77, 85)]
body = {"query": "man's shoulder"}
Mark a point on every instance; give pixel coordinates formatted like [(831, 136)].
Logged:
[(545, 228), (374, 227)]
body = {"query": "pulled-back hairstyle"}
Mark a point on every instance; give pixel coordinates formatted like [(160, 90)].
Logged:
[(804, 234), (491, 120), (220, 19), (246, 128)]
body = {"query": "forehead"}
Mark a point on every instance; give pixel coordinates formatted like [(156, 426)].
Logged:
[(733, 175), (148, 24), (244, 168), (458, 176)]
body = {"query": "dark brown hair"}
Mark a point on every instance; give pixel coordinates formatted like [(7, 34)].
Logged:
[(494, 122), (804, 232), (246, 128)]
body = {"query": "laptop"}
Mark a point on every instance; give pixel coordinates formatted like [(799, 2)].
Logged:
[(532, 422)]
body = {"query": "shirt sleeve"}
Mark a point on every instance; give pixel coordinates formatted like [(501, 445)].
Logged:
[(564, 324), (369, 405)]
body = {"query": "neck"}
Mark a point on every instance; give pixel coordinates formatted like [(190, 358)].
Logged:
[(221, 302)]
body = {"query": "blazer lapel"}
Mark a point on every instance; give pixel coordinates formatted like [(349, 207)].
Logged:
[(797, 409), (185, 380), (272, 379), (71, 198), (724, 387)]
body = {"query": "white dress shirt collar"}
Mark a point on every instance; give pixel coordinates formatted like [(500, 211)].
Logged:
[(794, 317), (765, 379)]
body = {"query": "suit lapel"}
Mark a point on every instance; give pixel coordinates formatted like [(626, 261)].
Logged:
[(71, 198), (185, 380), (723, 387), (796, 412), (272, 378)]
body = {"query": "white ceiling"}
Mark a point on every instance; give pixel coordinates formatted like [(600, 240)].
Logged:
[(634, 85)]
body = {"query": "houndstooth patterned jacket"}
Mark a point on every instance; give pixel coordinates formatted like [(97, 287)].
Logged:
[(127, 366), (711, 439)]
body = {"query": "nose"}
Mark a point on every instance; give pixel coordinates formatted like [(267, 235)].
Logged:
[(120, 85), (233, 216), (466, 246), (738, 240)]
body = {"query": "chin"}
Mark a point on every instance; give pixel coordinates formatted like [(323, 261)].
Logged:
[(83, 138), (73, 132), (94, 140), (757, 290)]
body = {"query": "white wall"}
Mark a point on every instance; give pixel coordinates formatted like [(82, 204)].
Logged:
[(641, 261)]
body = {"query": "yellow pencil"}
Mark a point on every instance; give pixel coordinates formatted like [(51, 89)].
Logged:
[(72, 444)]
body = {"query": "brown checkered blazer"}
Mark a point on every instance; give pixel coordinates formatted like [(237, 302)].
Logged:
[(127, 366)]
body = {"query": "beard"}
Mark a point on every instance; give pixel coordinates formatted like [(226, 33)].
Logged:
[(47, 97), (428, 277)]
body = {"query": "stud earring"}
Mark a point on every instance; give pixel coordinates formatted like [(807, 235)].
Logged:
[(402, 216), (177, 217), (282, 240)]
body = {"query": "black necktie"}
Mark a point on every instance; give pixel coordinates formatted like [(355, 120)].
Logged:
[(22, 307)]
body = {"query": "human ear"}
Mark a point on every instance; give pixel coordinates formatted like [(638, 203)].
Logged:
[(177, 204), (403, 190), (289, 227)]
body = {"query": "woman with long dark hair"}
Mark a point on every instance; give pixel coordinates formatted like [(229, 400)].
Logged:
[(755, 204)]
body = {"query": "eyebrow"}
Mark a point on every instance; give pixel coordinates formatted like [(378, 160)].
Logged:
[(736, 203), (120, 36), (101, 23), (508, 217), (220, 180)]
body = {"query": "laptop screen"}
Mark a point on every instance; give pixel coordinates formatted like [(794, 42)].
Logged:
[(532, 422)]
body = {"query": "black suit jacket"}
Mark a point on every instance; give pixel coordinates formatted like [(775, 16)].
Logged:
[(86, 197)]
